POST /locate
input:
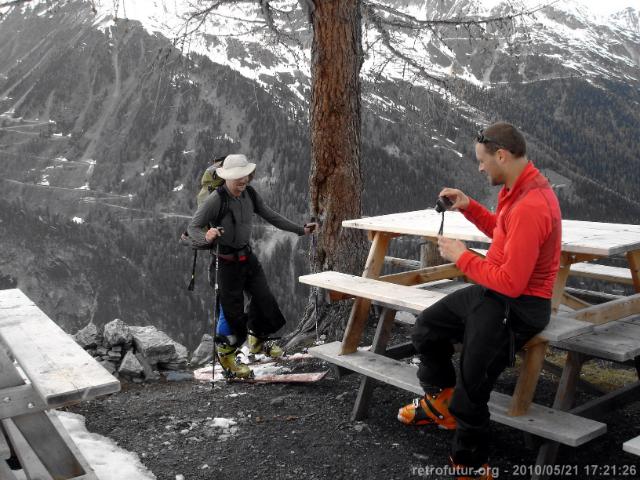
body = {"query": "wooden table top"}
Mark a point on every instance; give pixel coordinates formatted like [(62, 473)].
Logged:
[(602, 239)]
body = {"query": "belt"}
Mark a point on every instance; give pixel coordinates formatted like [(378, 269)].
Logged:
[(241, 255)]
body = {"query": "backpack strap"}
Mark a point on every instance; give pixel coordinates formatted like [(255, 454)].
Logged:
[(254, 197), (224, 205)]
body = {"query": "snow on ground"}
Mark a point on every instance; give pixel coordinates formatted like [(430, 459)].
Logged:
[(109, 461), (77, 220)]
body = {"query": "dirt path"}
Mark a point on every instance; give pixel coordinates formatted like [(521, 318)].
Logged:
[(304, 432)]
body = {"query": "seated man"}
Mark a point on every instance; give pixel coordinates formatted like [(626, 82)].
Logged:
[(510, 303), (232, 206)]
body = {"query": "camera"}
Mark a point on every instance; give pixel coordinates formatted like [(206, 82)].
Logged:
[(443, 204)]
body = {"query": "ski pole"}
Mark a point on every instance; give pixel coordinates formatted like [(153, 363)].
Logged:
[(214, 351)]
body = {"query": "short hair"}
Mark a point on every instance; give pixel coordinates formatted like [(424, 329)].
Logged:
[(503, 135)]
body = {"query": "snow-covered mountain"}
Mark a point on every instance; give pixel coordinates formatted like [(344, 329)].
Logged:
[(561, 40)]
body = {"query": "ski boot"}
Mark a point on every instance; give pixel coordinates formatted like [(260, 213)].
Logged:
[(230, 366), (430, 409), (259, 345)]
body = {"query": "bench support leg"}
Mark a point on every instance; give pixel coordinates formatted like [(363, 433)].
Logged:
[(564, 399), (528, 377), (379, 346), (634, 265), (360, 310)]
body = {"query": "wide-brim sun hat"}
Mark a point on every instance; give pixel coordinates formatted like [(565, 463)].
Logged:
[(235, 166)]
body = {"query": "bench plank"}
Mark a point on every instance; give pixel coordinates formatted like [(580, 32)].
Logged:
[(632, 446), (397, 297), (59, 369), (5, 451), (618, 340), (414, 300), (539, 420), (602, 272)]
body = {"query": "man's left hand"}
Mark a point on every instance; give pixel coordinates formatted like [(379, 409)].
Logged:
[(309, 228), (451, 249)]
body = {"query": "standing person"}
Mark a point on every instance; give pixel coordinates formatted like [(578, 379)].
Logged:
[(232, 207), (510, 303)]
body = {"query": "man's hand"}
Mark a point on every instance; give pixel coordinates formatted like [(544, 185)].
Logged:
[(451, 249), (459, 199), (310, 228), (212, 234)]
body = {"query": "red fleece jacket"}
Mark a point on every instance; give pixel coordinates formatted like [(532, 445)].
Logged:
[(524, 257)]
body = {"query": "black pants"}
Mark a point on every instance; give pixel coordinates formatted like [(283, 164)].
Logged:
[(474, 316), (235, 278)]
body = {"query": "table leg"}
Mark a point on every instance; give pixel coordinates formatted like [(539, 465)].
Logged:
[(379, 346), (534, 354), (360, 309), (633, 258), (564, 399)]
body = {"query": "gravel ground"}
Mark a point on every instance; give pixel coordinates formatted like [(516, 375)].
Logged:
[(303, 431)]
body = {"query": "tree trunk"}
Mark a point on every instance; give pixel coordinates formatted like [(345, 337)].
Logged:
[(335, 182)]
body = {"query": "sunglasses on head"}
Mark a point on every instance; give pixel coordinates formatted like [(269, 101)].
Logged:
[(482, 138)]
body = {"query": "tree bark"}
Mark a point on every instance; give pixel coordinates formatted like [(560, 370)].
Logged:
[(335, 183)]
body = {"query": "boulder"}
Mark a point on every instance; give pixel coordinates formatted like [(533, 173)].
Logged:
[(202, 354), (155, 345), (87, 337), (130, 366), (116, 332), (149, 372), (110, 366)]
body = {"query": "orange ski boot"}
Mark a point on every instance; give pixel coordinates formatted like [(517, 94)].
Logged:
[(430, 409)]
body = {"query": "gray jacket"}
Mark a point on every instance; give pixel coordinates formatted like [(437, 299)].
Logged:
[(238, 221)]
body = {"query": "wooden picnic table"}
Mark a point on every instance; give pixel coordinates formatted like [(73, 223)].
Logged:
[(42, 368), (581, 242)]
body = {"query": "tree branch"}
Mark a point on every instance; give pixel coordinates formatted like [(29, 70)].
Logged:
[(404, 20)]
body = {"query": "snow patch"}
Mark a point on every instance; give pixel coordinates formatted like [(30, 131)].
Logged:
[(109, 461), (178, 188), (78, 220)]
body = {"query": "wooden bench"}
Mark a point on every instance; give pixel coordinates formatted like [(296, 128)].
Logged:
[(414, 300), (632, 446), (541, 421), (50, 371)]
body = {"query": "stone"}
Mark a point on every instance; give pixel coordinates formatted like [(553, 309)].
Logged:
[(101, 351), (405, 317), (114, 355), (179, 376), (173, 366), (203, 353), (155, 345), (149, 372), (278, 401), (117, 348), (109, 366), (131, 366), (116, 332), (87, 337)]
